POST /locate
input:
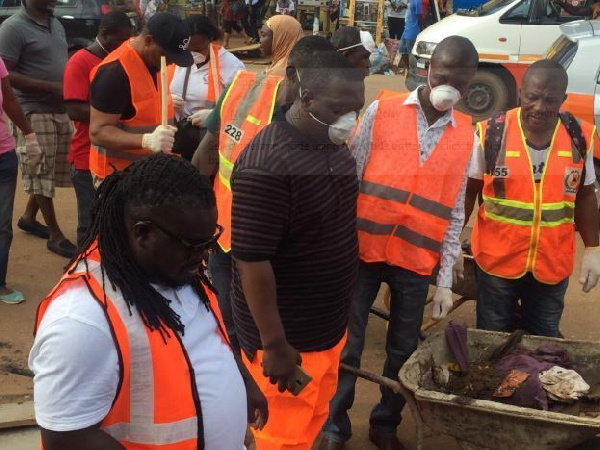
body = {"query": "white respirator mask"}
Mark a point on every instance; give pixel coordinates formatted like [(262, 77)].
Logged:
[(339, 131), (199, 58), (444, 96)]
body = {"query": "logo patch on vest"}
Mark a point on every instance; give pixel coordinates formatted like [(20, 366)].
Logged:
[(234, 132), (572, 179), (501, 172)]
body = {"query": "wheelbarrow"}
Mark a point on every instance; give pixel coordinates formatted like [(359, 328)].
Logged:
[(482, 424)]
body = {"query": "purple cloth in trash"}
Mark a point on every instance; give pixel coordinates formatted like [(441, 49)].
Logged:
[(456, 338), (531, 393)]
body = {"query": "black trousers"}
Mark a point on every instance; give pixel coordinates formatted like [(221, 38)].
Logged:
[(396, 27)]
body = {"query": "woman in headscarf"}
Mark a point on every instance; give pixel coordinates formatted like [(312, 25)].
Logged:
[(277, 37)]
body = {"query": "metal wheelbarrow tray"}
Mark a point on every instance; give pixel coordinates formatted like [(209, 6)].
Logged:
[(482, 424)]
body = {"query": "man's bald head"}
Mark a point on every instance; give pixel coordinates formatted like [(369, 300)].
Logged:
[(457, 52), (549, 73), (454, 63), (543, 91)]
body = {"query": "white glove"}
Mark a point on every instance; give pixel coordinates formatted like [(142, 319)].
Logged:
[(590, 268), (160, 140), (33, 151), (177, 101), (458, 270), (442, 302), (198, 119)]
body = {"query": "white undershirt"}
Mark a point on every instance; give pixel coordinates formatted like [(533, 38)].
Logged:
[(76, 369), (197, 90), (538, 161)]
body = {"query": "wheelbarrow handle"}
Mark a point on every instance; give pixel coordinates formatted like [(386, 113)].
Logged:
[(397, 388)]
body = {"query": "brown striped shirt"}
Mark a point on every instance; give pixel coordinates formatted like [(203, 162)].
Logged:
[(294, 204)]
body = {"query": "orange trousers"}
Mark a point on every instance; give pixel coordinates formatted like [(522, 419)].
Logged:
[(295, 422)]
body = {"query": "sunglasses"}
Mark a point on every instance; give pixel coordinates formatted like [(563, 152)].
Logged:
[(190, 247)]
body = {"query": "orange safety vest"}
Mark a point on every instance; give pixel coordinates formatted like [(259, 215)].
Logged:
[(156, 405), (146, 99), (523, 226), (404, 207), (246, 109), (386, 93)]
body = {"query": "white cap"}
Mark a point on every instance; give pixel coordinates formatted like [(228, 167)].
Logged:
[(366, 41)]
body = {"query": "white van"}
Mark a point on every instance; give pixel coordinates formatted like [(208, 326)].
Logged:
[(509, 35), (578, 51)]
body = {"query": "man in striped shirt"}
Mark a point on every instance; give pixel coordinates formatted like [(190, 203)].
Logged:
[(295, 250)]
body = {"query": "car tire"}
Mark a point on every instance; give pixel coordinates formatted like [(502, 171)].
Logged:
[(487, 95)]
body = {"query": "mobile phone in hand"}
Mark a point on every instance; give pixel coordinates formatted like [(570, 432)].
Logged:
[(301, 380)]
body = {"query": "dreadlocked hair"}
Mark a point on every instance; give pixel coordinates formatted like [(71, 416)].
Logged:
[(155, 181)]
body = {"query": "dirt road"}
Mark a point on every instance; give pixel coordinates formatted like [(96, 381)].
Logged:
[(33, 270)]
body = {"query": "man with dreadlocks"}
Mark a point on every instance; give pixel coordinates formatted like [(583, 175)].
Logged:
[(130, 351)]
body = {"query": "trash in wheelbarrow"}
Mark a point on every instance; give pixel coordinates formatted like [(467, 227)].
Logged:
[(508, 373)]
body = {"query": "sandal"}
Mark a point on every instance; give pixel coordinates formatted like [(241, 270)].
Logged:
[(64, 248), (35, 228)]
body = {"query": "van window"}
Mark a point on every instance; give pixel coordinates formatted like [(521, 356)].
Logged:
[(518, 14), (562, 51), (492, 6)]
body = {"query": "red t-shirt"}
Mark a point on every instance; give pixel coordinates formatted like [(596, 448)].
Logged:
[(76, 88)]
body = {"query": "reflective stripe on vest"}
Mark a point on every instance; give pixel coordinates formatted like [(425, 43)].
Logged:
[(403, 213), (524, 226), (246, 109), (146, 101), (401, 196), (215, 83)]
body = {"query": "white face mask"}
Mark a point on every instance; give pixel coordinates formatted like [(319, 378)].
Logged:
[(444, 96), (199, 58), (341, 130)]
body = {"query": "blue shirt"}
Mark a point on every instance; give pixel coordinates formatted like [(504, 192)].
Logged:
[(411, 27)]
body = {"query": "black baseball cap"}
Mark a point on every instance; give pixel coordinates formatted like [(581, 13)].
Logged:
[(171, 34)]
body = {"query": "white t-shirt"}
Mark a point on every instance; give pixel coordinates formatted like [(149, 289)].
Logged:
[(195, 98), (538, 161), (394, 9), (76, 368), (289, 9)]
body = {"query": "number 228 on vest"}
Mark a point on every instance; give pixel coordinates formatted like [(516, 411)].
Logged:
[(234, 132)]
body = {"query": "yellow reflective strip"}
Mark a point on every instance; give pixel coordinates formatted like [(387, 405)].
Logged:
[(497, 218), (515, 203), (253, 120), (513, 154), (225, 161), (556, 222), (272, 108), (558, 205), (224, 180), (565, 153)]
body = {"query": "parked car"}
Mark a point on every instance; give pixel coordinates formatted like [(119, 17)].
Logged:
[(79, 17), (578, 50), (509, 35)]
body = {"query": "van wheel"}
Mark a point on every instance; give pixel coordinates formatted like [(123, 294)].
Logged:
[(487, 95)]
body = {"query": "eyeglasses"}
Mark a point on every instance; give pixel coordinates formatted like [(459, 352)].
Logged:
[(208, 245)]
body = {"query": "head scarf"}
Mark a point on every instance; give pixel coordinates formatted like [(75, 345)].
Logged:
[(286, 32)]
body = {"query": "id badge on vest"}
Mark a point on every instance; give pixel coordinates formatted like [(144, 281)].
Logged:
[(234, 133), (572, 179), (501, 172)]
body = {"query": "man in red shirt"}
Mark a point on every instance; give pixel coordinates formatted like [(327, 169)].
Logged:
[(115, 28)]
